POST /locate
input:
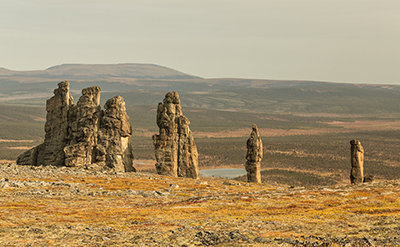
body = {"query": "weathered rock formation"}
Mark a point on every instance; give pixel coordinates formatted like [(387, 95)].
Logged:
[(357, 162), (83, 134), (175, 150), (114, 137), (254, 156)]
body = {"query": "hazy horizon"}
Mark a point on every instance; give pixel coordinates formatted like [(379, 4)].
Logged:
[(352, 41)]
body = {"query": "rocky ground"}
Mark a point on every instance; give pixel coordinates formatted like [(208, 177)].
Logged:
[(50, 206)]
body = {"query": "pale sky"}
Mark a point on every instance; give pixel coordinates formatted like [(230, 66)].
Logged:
[(352, 41)]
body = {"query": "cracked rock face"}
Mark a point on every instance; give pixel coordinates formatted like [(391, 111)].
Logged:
[(357, 162), (83, 134), (175, 150), (254, 156)]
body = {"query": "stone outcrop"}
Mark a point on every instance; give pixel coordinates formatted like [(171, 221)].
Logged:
[(57, 107), (254, 156), (175, 150), (114, 137), (357, 162), (83, 134), (82, 128)]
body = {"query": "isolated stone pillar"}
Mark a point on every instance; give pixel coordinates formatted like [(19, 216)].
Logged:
[(175, 150), (254, 156), (357, 162)]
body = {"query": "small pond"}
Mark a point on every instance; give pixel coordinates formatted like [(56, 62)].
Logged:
[(224, 172)]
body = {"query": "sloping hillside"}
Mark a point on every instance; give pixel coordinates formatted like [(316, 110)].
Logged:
[(101, 71)]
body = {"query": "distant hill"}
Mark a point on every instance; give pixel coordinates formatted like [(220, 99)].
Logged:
[(101, 71), (146, 84)]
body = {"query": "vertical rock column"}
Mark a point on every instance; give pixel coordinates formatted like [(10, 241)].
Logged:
[(83, 124), (51, 152), (357, 162), (175, 150), (254, 156), (114, 137)]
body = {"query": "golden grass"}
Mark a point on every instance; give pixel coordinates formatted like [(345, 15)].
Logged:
[(261, 209)]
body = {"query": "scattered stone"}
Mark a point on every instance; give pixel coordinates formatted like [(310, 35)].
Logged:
[(82, 135), (175, 150), (254, 156), (174, 186), (369, 178)]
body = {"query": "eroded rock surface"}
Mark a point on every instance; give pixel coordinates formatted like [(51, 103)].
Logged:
[(83, 134), (175, 150), (254, 156), (114, 137), (357, 162)]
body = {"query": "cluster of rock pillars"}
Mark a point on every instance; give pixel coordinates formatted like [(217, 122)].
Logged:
[(83, 135)]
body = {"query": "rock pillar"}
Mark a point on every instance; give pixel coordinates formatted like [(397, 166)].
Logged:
[(357, 162), (83, 134), (51, 151), (175, 150), (114, 139), (254, 156), (83, 121)]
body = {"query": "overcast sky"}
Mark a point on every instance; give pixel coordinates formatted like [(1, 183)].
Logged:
[(354, 41)]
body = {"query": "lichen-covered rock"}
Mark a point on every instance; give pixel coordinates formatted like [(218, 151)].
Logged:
[(254, 156), (175, 150), (82, 134), (357, 162)]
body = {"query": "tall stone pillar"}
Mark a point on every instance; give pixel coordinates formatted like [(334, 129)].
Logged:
[(254, 156), (51, 152), (357, 162), (83, 121), (175, 150), (114, 137)]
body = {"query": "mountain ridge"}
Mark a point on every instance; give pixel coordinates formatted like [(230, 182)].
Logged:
[(101, 71)]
